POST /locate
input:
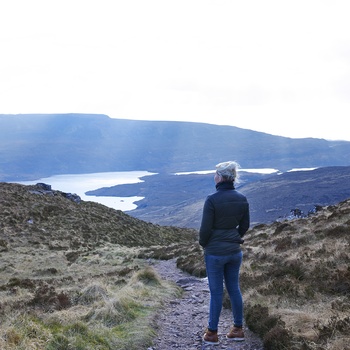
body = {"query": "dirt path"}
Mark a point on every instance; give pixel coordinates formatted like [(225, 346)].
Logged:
[(183, 321)]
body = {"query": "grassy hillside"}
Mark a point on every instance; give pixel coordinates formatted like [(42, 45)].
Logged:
[(298, 273), (296, 280), (75, 276), (70, 273)]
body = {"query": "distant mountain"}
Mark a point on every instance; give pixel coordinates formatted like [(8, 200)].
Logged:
[(38, 145), (178, 200)]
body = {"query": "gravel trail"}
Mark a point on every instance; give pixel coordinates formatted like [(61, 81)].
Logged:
[(183, 321)]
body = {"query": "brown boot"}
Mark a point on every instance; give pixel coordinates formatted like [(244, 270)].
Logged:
[(211, 337), (236, 334)]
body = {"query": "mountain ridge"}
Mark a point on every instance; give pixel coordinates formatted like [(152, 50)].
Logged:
[(35, 146)]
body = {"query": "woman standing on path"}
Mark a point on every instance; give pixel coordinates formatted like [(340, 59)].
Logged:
[(225, 221)]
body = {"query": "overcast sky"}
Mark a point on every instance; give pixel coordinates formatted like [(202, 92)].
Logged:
[(278, 66)]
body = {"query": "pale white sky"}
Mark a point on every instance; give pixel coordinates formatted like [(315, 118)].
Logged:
[(278, 66)]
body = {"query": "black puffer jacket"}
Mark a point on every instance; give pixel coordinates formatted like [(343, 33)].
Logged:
[(225, 220)]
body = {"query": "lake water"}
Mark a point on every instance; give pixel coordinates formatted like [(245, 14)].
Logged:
[(259, 171), (81, 183)]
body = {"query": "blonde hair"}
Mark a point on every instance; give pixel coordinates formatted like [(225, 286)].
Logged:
[(228, 170)]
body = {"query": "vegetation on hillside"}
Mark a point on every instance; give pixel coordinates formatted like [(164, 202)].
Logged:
[(76, 276), (70, 273)]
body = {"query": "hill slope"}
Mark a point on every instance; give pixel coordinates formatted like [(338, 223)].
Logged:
[(31, 215), (295, 280), (296, 275), (70, 273)]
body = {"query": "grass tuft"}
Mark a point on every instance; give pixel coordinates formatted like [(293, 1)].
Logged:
[(147, 276), (92, 293)]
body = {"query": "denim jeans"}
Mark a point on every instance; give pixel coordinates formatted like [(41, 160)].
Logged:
[(220, 269)]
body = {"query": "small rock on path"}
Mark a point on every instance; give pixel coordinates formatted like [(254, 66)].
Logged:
[(183, 321)]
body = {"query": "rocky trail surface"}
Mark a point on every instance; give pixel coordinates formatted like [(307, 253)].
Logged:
[(183, 321)]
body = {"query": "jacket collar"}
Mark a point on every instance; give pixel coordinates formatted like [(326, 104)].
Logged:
[(226, 185)]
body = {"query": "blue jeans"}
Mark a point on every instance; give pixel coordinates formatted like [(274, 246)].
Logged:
[(220, 269)]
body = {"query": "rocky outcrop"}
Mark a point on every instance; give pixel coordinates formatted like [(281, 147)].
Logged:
[(42, 188)]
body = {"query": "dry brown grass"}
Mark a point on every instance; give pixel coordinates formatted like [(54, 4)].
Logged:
[(300, 270), (296, 281), (98, 302), (71, 277)]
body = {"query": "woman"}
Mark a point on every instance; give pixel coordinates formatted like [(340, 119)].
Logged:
[(225, 221)]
